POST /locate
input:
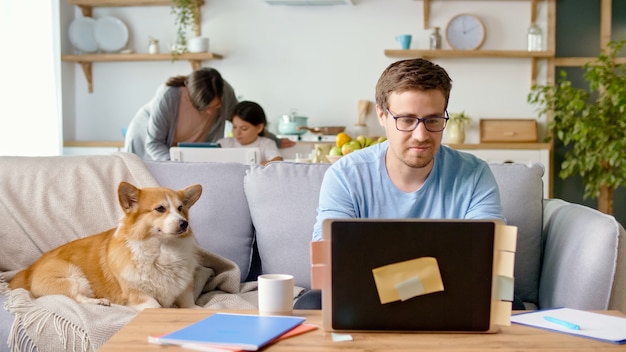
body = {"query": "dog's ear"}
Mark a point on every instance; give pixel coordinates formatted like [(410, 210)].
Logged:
[(191, 194), (128, 196)]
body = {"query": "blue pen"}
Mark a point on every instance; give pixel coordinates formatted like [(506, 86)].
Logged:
[(564, 323)]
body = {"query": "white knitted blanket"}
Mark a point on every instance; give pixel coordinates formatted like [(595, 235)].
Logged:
[(58, 323), (48, 201)]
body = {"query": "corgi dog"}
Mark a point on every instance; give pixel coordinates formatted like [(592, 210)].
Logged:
[(148, 261)]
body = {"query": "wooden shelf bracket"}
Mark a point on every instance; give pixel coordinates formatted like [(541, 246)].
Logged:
[(87, 72), (426, 13)]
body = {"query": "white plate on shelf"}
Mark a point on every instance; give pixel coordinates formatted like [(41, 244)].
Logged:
[(111, 33), (81, 34)]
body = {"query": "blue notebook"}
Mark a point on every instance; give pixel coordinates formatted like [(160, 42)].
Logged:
[(244, 331)]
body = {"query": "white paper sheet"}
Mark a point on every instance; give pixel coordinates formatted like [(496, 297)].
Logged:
[(594, 325)]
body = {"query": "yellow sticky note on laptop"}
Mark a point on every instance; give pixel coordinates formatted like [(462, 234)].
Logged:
[(404, 280)]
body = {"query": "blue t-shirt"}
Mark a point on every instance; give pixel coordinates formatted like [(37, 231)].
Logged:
[(460, 186)]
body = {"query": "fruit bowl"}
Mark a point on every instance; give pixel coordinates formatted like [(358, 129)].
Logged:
[(333, 158)]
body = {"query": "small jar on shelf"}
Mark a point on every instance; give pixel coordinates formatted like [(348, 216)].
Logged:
[(435, 39), (153, 46)]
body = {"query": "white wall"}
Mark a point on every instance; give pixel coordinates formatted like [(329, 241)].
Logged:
[(320, 60), (30, 71)]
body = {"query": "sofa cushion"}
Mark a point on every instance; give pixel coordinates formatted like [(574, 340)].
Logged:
[(521, 192), (582, 247), (221, 218), (283, 200)]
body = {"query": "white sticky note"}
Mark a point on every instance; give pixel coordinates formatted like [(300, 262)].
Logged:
[(503, 288), (341, 337), (410, 288)]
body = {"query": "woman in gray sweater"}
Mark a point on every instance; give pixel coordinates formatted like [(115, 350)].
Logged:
[(191, 108)]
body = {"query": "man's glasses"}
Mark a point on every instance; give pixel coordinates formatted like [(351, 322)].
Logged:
[(409, 124)]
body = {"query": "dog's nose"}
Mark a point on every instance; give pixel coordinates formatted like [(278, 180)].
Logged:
[(183, 224)]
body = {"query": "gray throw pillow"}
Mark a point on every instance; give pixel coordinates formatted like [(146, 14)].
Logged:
[(521, 192), (283, 199)]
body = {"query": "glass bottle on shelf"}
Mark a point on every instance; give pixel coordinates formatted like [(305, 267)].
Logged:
[(535, 38), (435, 39), (153, 47)]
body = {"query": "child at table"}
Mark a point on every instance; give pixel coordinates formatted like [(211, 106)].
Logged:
[(249, 123)]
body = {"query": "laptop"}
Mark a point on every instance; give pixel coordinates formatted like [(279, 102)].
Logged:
[(199, 153), (414, 274)]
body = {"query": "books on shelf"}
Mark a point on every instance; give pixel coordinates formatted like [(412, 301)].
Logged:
[(234, 332)]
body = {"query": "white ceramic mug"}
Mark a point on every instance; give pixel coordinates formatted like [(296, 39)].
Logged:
[(275, 294), (303, 157), (198, 45)]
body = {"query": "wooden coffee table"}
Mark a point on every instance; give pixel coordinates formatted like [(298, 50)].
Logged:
[(133, 337)]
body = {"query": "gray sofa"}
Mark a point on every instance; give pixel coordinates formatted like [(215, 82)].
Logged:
[(261, 218)]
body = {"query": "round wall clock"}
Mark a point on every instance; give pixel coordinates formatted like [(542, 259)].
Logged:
[(465, 32)]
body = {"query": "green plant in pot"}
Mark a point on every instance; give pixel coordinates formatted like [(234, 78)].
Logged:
[(455, 129), (185, 12), (592, 122)]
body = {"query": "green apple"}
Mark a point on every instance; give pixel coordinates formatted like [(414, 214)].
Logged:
[(382, 139), (335, 151), (368, 141), (355, 144), (350, 147)]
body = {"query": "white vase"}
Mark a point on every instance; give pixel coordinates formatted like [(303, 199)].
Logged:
[(198, 44), (456, 133)]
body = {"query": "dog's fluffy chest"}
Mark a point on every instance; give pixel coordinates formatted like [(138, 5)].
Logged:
[(161, 270)]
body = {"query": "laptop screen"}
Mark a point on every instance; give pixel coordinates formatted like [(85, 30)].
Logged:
[(216, 154), (462, 250)]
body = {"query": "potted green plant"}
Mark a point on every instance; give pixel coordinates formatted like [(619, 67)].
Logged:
[(185, 17), (455, 129), (592, 122)]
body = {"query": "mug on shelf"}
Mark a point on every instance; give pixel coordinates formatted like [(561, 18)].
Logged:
[(405, 40)]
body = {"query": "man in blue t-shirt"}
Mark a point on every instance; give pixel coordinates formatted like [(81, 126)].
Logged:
[(411, 175)]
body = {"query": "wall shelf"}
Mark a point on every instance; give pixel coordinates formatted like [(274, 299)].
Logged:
[(498, 54), (86, 60), (504, 146), (581, 61), (86, 6), (443, 53)]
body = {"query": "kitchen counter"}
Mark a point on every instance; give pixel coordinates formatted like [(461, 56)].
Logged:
[(309, 137), (331, 139), (99, 144), (92, 147)]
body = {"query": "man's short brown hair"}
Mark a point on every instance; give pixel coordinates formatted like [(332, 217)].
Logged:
[(411, 74)]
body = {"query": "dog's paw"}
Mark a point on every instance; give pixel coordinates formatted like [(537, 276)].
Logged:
[(149, 303), (99, 301), (91, 300), (104, 302)]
